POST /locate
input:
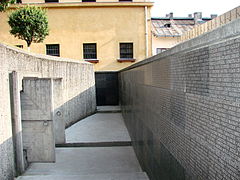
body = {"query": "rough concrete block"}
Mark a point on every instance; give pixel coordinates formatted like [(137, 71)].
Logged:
[(37, 119), (58, 113), (16, 122), (37, 99)]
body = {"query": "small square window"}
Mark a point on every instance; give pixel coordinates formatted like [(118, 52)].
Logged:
[(160, 50), (53, 49), (51, 1), (88, 0), (126, 50), (19, 46), (90, 51)]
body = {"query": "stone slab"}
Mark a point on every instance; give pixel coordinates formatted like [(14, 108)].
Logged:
[(108, 109)]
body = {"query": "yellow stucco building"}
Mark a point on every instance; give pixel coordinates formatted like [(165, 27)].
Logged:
[(112, 34)]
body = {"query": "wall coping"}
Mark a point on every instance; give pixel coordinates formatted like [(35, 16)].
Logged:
[(223, 33), (43, 56), (86, 4)]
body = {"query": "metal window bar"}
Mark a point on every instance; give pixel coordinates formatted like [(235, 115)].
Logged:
[(53, 50), (88, 0), (51, 1), (90, 51), (126, 50)]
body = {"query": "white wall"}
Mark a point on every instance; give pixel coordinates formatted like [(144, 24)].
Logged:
[(163, 42)]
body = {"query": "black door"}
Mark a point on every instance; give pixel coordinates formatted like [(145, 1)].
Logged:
[(107, 88)]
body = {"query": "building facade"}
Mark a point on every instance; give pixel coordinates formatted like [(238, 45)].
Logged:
[(166, 31), (112, 34)]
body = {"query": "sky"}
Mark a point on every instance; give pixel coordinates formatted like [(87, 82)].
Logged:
[(181, 8)]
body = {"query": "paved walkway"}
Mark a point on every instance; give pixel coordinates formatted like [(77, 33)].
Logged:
[(100, 127), (92, 163)]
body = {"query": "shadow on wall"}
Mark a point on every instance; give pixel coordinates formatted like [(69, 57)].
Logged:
[(40, 129), (181, 108), (7, 160), (84, 109), (77, 82), (8, 157)]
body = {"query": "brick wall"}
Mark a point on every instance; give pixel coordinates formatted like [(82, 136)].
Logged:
[(213, 24), (182, 108)]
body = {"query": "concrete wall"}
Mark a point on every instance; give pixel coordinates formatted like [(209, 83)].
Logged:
[(37, 119), (69, 1), (182, 108), (78, 93)]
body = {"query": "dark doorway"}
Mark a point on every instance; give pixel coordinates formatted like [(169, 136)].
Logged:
[(107, 88)]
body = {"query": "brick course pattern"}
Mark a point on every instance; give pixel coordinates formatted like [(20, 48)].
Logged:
[(213, 24), (183, 112)]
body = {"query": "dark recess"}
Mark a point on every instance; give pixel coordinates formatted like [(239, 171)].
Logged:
[(107, 88)]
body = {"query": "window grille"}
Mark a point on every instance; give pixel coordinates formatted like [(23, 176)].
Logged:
[(90, 51), (88, 0), (50, 1), (126, 50), (53, 49)]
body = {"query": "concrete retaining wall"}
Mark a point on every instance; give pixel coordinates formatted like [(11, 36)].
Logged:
[(182, 108), (78, 87), (37, 104)]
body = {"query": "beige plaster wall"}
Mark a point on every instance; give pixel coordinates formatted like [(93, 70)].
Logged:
[(106, 24), (163, 42)]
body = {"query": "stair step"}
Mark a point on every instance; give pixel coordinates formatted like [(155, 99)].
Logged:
[(110, 176), (88, 160), (108, 109), (96, 144)]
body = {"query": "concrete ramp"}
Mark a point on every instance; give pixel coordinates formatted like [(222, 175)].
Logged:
[(111, 157), (113, 176), (100, 127)]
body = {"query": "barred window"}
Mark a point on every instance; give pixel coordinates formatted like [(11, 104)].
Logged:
[(53, 49), (126, 50), (50, 1), (88, 0), (90, 51), (19, 46)]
